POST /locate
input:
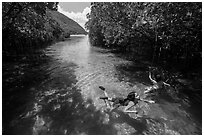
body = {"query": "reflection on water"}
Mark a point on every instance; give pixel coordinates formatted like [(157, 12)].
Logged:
[(60, 96)]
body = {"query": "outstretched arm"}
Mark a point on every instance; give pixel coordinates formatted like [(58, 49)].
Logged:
[(166, 84), (128, 107), (148, 101), (150, 77)]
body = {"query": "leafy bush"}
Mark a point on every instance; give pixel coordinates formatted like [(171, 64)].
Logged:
[(164, 32), (26, 25)]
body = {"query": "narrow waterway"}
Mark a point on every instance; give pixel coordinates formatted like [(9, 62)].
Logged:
[(60, 95)]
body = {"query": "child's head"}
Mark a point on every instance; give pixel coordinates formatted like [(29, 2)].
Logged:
[(158, 78), (132, 95)]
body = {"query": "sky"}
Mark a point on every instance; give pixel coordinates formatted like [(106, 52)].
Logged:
[(75, 10)]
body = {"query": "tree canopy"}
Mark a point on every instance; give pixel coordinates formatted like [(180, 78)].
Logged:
[(25, 24), (161, 31)]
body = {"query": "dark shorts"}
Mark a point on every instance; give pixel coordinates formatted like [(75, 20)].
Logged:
[(118, 101)]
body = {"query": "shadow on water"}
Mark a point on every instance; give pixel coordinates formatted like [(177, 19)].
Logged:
[(183, 106), (18, 78), (139, 125), (48, 102), (73, 116)]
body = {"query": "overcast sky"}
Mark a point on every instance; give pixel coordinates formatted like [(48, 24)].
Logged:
[(75, 10)]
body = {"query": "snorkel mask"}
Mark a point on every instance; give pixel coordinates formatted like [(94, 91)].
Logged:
[(132, 95), (136, 95)]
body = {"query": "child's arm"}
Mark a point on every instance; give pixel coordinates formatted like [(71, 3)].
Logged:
[(153, 81), (166, 84), (128, 107), (148, 101)]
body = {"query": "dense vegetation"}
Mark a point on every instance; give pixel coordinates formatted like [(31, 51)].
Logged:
[(27, 26), (164, 33)]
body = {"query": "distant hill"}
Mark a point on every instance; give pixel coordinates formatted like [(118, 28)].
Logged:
[(67, 24)]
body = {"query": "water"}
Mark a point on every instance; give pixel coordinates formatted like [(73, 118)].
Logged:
[(59, 94)]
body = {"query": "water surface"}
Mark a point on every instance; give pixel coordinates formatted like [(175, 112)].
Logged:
[(59, 95)]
